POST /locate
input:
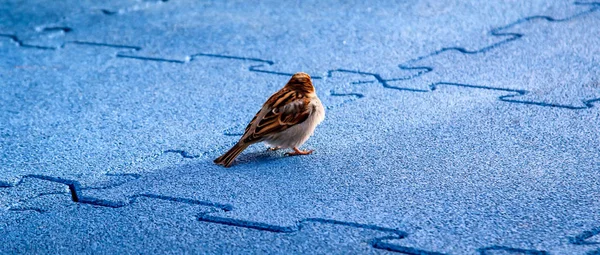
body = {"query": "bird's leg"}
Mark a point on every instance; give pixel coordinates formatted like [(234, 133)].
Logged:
[(299, 152), (273, 148)]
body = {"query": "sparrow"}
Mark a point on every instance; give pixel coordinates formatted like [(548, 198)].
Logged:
[(286, 120)]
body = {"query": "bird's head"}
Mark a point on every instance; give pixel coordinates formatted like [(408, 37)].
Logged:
[(301, 82)]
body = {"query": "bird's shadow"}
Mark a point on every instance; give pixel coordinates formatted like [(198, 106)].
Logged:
[(259, 157)]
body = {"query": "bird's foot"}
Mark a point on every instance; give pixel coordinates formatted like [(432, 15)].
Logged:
[(298, 152), (273, 148)]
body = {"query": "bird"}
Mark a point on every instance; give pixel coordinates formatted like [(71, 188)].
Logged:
[(286, 120)]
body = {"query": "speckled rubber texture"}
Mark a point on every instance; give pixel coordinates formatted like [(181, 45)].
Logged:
[(452, 127)]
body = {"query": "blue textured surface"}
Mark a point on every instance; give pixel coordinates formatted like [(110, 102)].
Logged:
[(453, 127)]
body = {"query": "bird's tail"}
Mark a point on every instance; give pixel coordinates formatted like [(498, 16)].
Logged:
[(227, 158)]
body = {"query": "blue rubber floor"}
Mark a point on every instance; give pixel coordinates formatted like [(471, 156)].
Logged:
[(452, 127)]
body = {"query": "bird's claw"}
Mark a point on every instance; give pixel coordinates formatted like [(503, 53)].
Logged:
[(298, 152)]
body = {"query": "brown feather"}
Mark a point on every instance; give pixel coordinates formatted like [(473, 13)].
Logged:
[(284, 109), (227, 158)]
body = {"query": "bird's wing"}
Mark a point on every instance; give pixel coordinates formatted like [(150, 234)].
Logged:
[(283, 110)]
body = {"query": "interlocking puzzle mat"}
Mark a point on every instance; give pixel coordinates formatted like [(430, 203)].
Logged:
[(452, 127)]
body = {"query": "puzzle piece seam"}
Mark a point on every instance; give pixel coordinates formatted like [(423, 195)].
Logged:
[(377, 243), (75, 188), (20, 43), (486, 250), (516, 93), (496, 32), (77, 195), (581, 239)]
